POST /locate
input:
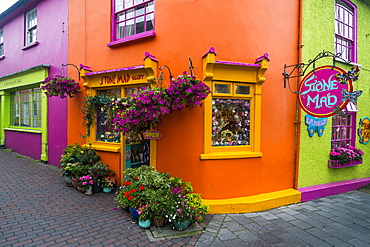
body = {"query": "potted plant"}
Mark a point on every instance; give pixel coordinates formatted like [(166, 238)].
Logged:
[(79, 159), (67, 173), (60, 86), (98, 171), (86, 183), (108, 183), (145, 215)]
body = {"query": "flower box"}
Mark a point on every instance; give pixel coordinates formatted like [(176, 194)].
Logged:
[(337, 164)]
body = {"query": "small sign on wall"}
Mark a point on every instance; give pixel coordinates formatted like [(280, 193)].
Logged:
[(364, 130), (152, 134), (315, 124)]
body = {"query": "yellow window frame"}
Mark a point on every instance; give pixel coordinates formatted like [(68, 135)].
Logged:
[(234, 74)]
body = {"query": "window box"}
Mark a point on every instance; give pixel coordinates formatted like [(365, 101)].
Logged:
[(337, 164)]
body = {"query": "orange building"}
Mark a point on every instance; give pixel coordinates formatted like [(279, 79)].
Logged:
[(238, 160)]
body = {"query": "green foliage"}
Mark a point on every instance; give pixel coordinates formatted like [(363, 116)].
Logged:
[(162, 195), (77, 160), (91, 104)]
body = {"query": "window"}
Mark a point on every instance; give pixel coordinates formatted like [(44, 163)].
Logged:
[(1, 42), (133, 18), (231, 114), (344, 128), (345, 30), (104, 119), (31, 26), (25, 108), (105, 115)]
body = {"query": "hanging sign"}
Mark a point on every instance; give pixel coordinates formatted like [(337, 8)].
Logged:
[(152, 134), (321, 93), (315, 125)]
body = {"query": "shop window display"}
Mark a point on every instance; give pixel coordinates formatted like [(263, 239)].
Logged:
[(104, 116), (230, 122)]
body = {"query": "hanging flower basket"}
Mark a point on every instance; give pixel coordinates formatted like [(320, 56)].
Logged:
[(150, 104), (60, 86)]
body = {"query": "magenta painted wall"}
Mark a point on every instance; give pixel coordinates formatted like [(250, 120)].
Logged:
[(30, 143), (52, 35)]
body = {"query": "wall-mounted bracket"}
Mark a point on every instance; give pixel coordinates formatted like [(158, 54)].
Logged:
[(78, 70), (301, 68)]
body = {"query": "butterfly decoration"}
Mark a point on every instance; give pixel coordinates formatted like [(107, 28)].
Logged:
[(338, 111), (352, 75), (351, 96), (315, 124)]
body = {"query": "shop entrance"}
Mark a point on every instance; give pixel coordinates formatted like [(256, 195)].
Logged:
[(137, 153)]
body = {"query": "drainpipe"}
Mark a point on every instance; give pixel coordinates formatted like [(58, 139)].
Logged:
[(298, 111)]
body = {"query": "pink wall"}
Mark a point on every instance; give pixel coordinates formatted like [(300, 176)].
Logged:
[(30, 144), (52, 35)]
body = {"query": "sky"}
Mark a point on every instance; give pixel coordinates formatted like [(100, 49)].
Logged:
[(5, 4)]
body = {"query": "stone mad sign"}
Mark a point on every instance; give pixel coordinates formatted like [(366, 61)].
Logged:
[(320, 92)]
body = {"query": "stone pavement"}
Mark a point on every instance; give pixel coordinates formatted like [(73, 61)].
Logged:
[(37, 209)]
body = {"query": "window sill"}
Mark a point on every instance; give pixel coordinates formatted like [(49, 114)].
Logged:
[(30, 45), (2, 57), (346, 62), (230, 155), (132, 38), (108, 147), (24, 130)]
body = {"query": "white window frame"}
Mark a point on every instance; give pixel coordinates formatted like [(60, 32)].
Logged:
[(345, 40), (31, 26)]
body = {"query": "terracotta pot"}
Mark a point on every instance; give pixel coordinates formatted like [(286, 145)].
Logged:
[(75, 183), (159, 222)]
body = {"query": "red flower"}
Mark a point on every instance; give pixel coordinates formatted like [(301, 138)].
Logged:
[(136, 178), (127, 194), (134, 190), (142, 187), (130, 198), (127, 183)]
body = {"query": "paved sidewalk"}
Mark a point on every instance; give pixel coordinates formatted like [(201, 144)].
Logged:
[(37, 209)]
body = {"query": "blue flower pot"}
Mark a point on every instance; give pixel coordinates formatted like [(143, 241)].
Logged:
[(180, 226), (144, 223), (107, 190), (134, 214)]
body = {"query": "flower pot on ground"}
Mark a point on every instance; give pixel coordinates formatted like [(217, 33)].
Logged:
[(89, 190), (68, 180), (108, 183), (144, 223), (107, 190), (86, 183), (180, 226), (159, 222), (75, 182), (134, 214)]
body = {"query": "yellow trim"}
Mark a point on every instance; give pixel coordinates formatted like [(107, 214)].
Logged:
[(230, 155), (253, 203), (234, 74), (24, 130), (109, 147)]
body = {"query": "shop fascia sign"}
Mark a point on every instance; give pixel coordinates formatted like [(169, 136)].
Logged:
[(321, 94)]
